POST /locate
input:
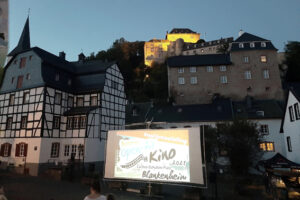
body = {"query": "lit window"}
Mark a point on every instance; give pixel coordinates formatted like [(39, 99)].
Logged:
[(193, 69), (209, 69), (263, 59), (28, 77), (223, 68), (56, 122), (67, 150), (9, 123), (266, 74), (193, 80), (241, 45), (11, 100), (223, 79), (297, 112), (23, 62), (246, 59), (57, 98), (70, 101), (57, 77), (94, 100), (252, 45), (263, 44), (24, 122), (267, 146), (292, 116), (180, 80), (26, 97), (55, 150), (264, 129), (79, 101), (289, 143), (247, 74), (180, 70)]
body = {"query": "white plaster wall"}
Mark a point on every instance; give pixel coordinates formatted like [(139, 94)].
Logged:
[(95, 150)]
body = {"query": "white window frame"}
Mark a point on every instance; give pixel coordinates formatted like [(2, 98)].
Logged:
[(263, 44), (252, 45), (241, 45), (22, 149), (67, 150), (266, 74), (180, 70), (223, 79), (181, 81), (264, 129), (193, 80), (247, 75), (209, 69), (193, 69), (55, 150), (223, 68), (246, 59)]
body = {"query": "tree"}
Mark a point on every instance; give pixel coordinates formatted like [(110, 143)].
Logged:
[(223, 48), (241, 140), (292, 60)]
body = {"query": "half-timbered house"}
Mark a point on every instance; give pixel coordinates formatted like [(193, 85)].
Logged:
[(52, 109)]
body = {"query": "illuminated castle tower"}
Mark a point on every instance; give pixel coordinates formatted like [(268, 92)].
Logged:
[(3, 31)]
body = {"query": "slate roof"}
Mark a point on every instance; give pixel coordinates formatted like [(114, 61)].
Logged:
[(247, 38), (249, 110), (199, 60), (182, 30), (189, 46), (220, 110), (142, 111), (295, 88), (79, 110)]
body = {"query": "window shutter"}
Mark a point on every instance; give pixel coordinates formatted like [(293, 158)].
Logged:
[(25, 149), (9, 149), (17, 150), (2, 150)]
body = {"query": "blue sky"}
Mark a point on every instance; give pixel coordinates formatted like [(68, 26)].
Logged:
[(92, 25)]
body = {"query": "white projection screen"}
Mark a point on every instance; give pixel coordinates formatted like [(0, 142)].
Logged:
[(174, 156)]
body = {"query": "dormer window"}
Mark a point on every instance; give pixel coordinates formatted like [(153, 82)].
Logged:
[(241, 45), (263, 44), (252, 45), (57, 77), (23, 62)]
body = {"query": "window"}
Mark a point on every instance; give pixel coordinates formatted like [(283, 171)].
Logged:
[(246, 59), (30, 57), (291, 111), (193, 69), (266, 74), (67, 150), (55, 150), (263, 59), (75, 122), (79, 101), (223, 68), (20, 82), (267, 146), (70, 123), (21, 150), (82, 122), (94, 101), (57, 98), (81, 150), (264, 129), (23, 62), (26, 97), (263, 44), (209, 69), (180, 70), (73, 150), (5, 150), (241, 45), (57, 77), (12, 80), (11, 99), (252, 44), (56, 122), (297, 112), (114, 85), (289, 143), (9, 123), (28, 77), (23, 122), (193, 80), (223, 79), (70, 101), (180, 80), (247, 74)]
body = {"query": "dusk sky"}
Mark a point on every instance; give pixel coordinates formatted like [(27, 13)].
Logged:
[(92, 25)]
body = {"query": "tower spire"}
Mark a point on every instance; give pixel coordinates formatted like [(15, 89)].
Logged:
[(24, 41)]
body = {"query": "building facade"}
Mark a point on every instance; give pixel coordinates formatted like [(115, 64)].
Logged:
[(3, 31), (249, 68), (53, 110)]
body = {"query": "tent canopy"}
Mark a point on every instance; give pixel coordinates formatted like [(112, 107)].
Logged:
[(279, 161)]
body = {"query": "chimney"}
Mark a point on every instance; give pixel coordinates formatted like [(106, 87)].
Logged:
[(81, 57), (241, 32), (62, 55)]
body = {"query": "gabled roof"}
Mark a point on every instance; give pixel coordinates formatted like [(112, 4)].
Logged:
[(182, 30), (24, 42), (247, 37), (199, 60)]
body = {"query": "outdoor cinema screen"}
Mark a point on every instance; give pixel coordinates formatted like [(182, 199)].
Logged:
[(158, 155)]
